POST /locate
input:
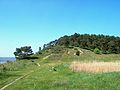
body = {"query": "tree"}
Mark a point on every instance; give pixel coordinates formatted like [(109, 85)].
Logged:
[(40, 51), (64, 41), (23, 52)]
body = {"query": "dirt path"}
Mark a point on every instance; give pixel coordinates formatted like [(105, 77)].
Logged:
[(16, 80), (46, 57), (22, 76), (81, 52)]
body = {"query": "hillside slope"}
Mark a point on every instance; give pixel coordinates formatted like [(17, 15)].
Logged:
[(54, 72), (68, 54)]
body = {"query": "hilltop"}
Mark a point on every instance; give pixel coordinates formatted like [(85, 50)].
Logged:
[(105, 43)]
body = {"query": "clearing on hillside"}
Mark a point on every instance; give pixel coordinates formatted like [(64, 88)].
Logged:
[(95, 67)]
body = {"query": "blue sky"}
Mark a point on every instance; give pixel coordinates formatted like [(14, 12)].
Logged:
[(35, 22)]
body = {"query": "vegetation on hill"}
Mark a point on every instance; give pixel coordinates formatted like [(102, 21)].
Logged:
[(54, 72), (52, 69), (106, 44)]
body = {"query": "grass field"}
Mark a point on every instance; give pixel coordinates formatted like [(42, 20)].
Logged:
[(54, 73)]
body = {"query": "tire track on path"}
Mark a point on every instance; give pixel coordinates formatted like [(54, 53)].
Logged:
[(16, 80), (3, 88)]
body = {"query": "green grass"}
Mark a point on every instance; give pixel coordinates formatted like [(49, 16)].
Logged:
[(54, 73), (64, 79), (14, 70)]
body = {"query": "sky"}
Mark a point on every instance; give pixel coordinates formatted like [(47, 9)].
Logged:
[(36, 22)]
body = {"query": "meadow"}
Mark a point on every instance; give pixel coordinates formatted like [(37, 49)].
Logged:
[(55, 72)]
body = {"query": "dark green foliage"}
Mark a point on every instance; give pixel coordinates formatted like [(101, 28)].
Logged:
[(97, 51), (50, 44), (40, 51), (70, 47), (107, 44), (77, 53), (32, 57), (23, 52), (64, 41)]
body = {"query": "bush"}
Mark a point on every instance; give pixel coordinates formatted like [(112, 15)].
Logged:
[(106, 52), (78, 53), (97, 51)]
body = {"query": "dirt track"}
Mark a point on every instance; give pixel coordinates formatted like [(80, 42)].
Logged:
[(15, 80), (46, 57)]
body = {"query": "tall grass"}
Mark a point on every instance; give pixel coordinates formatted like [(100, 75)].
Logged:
[(95, 66)]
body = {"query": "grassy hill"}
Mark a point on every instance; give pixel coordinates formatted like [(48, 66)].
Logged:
[(52, 72), (87, 55)]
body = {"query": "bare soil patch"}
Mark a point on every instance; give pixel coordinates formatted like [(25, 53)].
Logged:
[(95, 66)]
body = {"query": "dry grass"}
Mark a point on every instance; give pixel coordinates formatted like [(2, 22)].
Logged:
[(95, 66)]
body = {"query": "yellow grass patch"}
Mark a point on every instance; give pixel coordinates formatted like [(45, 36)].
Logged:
[(95, 66)]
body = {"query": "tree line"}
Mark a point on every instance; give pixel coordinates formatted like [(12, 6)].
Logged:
[(99, 43), (105, 43)]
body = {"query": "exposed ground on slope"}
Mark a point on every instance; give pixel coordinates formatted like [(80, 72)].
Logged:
[(46, 57), (95, 66)]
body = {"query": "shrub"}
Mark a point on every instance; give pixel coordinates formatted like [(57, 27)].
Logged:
[(105, 52), (78, 53), (97, 51)]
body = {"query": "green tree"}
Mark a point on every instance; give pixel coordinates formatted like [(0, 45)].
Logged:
[(23, 52), (40, 51)]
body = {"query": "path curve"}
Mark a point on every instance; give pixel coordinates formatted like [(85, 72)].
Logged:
[(22, 76), (46, 57), (81, 52)]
